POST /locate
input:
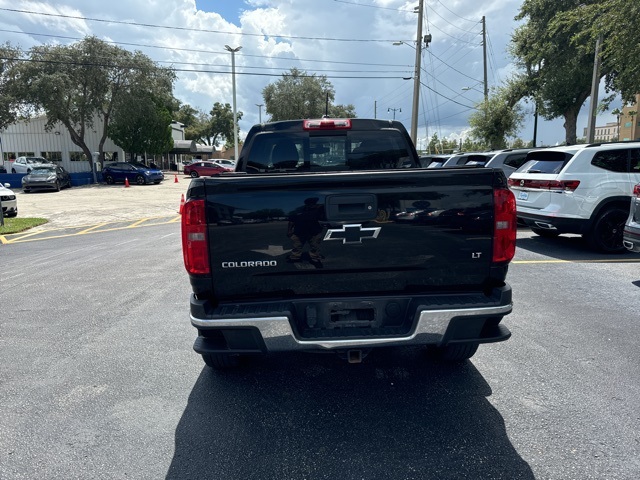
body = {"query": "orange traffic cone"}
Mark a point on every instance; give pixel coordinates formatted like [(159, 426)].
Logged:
[(176, 180), (181, 204), (126, 182)]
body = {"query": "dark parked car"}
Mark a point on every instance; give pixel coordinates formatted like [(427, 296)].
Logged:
[(120, 172), (3, 169), (198, 169), (46, 177)]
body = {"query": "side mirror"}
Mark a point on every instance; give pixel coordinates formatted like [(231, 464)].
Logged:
[(7, 185)]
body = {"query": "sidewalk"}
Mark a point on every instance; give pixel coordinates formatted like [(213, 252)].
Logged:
[(100, 203)]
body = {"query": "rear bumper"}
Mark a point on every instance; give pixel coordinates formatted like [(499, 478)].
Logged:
[(558, 224), (431, 326), (39, 186)]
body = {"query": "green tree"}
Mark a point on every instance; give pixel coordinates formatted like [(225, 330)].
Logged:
[(9, 104), (299, 95), (556, 72), (194, 121), (220, 125), (518, 143), (142, 127), (80, 83), (496, 119), (616, 21), (468, 145)]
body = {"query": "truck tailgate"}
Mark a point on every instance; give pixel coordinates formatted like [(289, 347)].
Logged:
[(349, 233)]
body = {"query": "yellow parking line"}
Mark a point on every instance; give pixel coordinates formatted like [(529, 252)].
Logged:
[(24, 236), (91, 228), (135, 224)]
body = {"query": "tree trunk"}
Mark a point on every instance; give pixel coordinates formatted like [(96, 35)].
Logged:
[(570, 126)]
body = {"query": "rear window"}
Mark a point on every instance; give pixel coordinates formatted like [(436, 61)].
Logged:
[(345, 150), (515, 160), (545, 162)]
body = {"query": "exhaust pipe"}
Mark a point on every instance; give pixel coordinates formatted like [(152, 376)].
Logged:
[(545, 226), (354, 356), (627, 245)]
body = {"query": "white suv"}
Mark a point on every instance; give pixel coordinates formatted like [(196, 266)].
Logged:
[(581, 189)]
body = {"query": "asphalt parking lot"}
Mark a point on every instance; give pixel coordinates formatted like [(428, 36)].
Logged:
[(101, 203)]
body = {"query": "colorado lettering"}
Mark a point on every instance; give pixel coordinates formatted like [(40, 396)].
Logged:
[(257, 263)]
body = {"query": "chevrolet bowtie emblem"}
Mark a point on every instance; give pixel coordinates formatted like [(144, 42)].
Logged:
[(352, 233)]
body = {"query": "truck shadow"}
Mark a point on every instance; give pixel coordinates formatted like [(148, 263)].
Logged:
[(293, 416)]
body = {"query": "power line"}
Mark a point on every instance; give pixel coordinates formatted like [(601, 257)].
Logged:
[(199, 30), (444, 96), (450, 11), (458, 71), (86, 64), (452, 24), (368, 5)]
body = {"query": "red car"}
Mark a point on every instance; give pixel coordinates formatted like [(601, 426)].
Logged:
[(197, 169)]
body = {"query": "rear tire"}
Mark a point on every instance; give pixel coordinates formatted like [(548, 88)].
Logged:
[(194, 174), (221, 361), (455, 352), (606, 234), (57, 187), (545, 233), (109, 180)]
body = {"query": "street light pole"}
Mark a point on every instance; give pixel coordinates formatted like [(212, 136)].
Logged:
[(394, 111), (416, 77), (259, 105), (235, 115)]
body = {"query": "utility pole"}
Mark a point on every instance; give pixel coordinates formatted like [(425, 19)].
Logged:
[(591, 127), (484, 57), (416, 77), (259, 105), (375, 109), (235, 115), (394, 111)]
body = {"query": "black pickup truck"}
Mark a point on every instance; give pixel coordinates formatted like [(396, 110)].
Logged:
[(330, 237)]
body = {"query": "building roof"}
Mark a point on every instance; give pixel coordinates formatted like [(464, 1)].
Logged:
[(184, 146)]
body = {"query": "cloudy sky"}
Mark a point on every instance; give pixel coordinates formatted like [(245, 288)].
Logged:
[(351, 42)]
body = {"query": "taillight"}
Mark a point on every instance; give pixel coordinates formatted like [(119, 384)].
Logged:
[(636, 190), (195, 246), (553, 185), (505, 231), (327, 123)]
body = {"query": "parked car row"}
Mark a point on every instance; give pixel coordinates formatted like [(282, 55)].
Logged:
[(580, 189), (590, 190), (509, 160)]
